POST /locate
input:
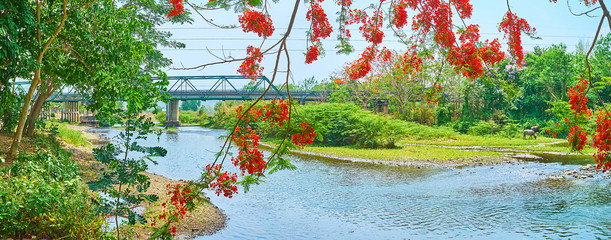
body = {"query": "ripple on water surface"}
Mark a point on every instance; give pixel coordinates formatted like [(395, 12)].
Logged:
[(326, 199)]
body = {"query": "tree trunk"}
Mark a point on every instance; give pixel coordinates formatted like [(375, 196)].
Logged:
[(24, 113), (28, 98), (46, 90)]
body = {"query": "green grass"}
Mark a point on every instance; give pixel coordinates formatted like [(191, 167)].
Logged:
[(587, 150), (405, 153), (469, 140), (71, 136)]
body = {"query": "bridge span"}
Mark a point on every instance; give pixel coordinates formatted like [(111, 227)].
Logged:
[(204, 88)]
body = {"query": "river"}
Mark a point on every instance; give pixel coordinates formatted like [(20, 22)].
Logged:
[(328, 199)]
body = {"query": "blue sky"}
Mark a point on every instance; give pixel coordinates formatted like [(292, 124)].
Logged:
[(554, 23)]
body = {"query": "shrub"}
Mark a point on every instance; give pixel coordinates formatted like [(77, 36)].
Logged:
[(44, 197), (511, 130), (423, 132), (482, 128), (160, 117), (347, 124)]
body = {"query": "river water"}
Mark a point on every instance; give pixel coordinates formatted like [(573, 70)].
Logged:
[(328, 199)]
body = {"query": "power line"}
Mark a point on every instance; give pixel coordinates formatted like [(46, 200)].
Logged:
[(295, 50), (356, 29)]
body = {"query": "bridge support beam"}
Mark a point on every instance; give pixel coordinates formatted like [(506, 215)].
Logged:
[(171, 114), (70, 112), (382, 106)]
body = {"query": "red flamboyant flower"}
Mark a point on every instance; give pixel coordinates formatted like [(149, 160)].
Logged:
[(250, 68), (577, 98), (466, 60), (513, 26), (464, 8), (305, 136), (320, 24), (338, 81), (223, 181), (602, 140), (579, 107), (491, 52), (312, 54), (400, 16), (587, 2), (253, 21), (178, 8), (277, 112), (361, 66)]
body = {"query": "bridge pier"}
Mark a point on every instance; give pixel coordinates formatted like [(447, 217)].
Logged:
[(70, 112), (382, 106), (171, 114)]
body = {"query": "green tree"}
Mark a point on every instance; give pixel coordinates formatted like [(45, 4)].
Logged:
[(190, 105), (548, 75), (92, 41)]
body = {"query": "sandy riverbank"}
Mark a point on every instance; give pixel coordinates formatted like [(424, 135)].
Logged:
[(206, 219)]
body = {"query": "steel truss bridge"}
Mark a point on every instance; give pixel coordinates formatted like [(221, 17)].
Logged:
[(212, 88)]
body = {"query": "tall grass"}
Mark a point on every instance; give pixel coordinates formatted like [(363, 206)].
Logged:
[(71, 136)]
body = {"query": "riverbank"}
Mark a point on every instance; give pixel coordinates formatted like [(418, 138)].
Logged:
[(206, 219), (437, 155)]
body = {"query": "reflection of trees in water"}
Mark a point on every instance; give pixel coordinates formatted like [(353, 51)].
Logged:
[(171, 136)]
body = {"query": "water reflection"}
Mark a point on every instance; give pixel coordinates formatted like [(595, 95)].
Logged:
[(328, 199)]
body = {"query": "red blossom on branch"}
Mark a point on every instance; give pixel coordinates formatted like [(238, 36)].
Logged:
[(305, 136), (320, 24), (578, 100), (250, 67), (178, 8), (513, 27), (602, 140), (400, 16), (312, 54), (253, 21), (224, 182)]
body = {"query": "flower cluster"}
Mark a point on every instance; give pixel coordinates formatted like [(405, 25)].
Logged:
[(277, 112), (578, 99), (312, 54), (250, 67), (181, 197), (400, 16), (250, 158), (432, 93), (513, 26), (321, 28), (257, 22), (602, 140), (305, 136), (178, 8), (224, 181), (581, 113)]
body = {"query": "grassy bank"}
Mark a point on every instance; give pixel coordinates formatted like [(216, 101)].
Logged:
[(72, 136), (415, 154)]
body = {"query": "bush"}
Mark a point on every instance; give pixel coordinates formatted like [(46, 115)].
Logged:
[(511, 130), (160, 116), (423, 132), (44, 197), (347, 124), (482, 128)]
